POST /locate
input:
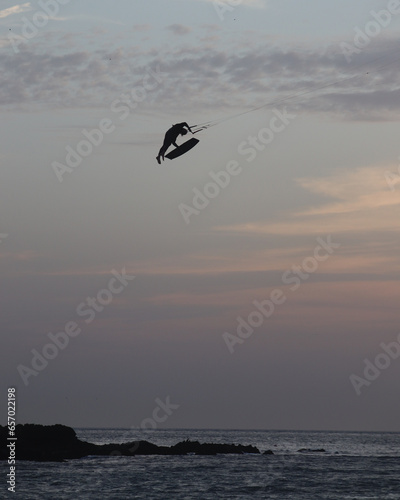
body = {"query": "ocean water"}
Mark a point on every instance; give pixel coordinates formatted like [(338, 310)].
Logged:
[(355, 466)]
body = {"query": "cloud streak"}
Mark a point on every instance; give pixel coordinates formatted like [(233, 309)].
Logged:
[(179, 29), (205, 76), (259, 4), (17, 9), (361, 203), (362, 189)]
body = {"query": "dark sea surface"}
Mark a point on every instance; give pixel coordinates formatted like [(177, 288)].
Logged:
[(354, 466)]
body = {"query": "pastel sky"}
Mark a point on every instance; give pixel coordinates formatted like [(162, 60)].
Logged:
[(305, 97)]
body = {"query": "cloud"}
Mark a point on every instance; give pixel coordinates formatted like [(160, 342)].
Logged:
[(82, 17), (17, 9), (25, 255), (141, 27), (259, 4), (179, 29), (362, 202), (362, 189), (205, 76)]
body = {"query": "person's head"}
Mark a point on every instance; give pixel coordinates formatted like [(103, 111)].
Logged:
[(184, 132)]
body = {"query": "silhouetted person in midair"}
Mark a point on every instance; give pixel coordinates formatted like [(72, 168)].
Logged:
[(170, 137)]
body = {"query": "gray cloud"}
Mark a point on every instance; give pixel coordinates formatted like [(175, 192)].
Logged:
[(179, 29), (204, 77)]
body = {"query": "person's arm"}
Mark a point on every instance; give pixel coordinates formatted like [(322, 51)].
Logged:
[(186, 125)]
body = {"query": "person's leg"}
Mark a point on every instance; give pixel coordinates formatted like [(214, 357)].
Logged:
[(168, 140), (162, 152)]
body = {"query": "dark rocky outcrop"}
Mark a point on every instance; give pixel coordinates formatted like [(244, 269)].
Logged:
[(58, 442), (39, 442), (311, 450), (186, 447)]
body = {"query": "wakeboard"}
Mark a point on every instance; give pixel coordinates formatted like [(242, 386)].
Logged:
[(182, 149)]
